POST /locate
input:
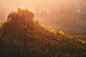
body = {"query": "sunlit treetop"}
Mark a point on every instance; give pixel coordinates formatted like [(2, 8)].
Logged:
[(61, 32), (20, 15), (25, 11), (22, 10)]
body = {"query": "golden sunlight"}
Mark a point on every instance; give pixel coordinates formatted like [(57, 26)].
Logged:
[(61, 32)]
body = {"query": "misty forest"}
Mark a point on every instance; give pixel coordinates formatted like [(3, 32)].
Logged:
[(52, 30)]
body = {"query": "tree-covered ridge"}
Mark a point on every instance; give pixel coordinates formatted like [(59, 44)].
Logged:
[(35, 40), (21, 15)]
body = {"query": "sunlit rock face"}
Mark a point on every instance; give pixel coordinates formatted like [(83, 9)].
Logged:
[(20, 15)]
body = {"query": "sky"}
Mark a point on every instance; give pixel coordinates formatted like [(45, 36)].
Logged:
[(22, 3), (13, 4), (7, 5)]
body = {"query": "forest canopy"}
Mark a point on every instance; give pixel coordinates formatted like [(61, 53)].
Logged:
[(32, 39)]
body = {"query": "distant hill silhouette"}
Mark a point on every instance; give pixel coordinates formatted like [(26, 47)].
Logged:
[(68, 23), (32, 39)]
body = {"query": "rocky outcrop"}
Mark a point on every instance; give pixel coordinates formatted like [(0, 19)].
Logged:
[(20, 15)]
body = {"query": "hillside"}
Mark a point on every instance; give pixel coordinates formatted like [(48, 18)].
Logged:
[(32, 39), (68, 23), (61, 15)]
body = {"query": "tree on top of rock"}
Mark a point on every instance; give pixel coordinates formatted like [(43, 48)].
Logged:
[(20, 15)]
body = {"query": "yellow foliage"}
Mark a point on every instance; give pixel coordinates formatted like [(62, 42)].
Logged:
[(61, 32), (49, 29), (83, 42), (42, 40), (80, 40), (71, 37)]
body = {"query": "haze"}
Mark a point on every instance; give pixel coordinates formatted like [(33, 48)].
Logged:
[(62, 15), (7, 5)]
